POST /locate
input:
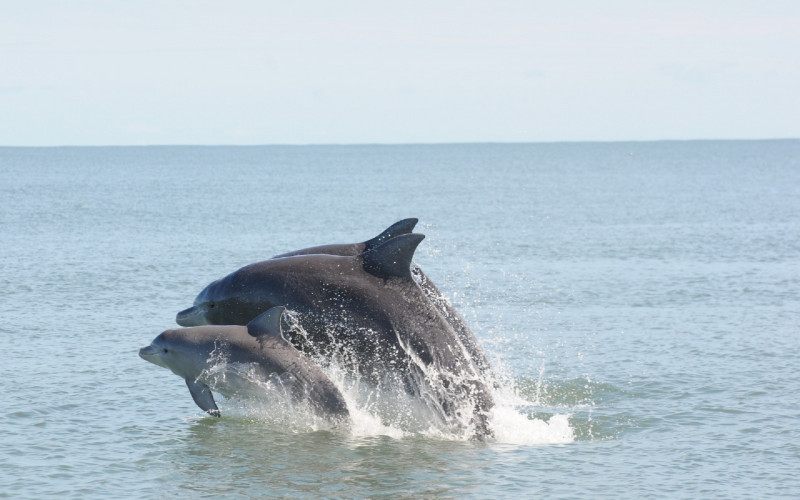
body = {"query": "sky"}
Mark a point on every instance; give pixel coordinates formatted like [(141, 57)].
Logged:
[(344, 72)]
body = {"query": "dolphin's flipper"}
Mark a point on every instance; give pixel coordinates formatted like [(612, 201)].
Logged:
[(404, 226), (267, 323), (203, 397), (392, 258)]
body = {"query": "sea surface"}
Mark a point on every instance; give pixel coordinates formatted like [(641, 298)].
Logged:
[(640, 303)]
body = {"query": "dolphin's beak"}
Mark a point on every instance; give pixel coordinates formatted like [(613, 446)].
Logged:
[(148, 352), (153, 354), (191, 317)]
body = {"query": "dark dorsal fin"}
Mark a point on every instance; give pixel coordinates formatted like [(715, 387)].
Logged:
[(404, 226), (267, 323), (392, 258)]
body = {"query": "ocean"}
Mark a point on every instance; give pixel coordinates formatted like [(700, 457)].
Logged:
[(640, 303)]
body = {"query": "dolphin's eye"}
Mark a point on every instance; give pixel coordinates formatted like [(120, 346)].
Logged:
[(211, 304), (165, 350)]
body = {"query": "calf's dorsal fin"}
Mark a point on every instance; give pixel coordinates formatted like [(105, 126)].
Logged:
[(267, 323)]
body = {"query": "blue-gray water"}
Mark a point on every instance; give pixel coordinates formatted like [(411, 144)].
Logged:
[(640, 299)]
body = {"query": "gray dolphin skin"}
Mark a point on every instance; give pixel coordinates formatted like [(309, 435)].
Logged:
[(436, 297), (365, 309), (258, 350), (404, 226)]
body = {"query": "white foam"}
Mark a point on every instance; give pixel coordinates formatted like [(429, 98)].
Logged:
[(381, 411), (512, 427)]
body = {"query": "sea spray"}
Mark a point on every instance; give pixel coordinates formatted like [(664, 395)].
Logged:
[(382, 410)]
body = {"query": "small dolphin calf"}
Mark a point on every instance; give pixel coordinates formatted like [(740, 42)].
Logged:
[(258, 352)]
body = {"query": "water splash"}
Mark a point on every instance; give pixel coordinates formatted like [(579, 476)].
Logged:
[(381, 410)]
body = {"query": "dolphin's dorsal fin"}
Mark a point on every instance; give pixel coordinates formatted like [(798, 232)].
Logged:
[(404, 226), (392, 258), (267, 323)]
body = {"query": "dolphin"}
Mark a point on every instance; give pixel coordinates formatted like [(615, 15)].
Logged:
[(435, 296), (404, 226), (365, 309), (250, 355)]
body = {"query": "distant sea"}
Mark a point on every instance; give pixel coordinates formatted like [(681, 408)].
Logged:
[(639, 301)]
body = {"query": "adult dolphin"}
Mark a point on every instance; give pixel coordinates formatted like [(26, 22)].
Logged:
[(436, 297), (366, 309), (405, 226), (250, 355)]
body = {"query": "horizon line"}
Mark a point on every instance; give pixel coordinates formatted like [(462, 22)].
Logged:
[(391, 144)]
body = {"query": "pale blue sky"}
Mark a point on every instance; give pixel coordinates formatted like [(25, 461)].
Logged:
[(258, 72)]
